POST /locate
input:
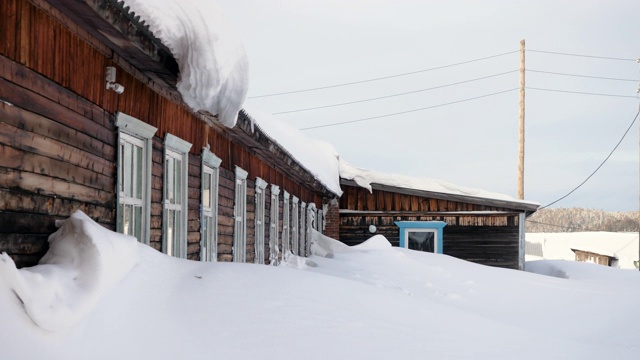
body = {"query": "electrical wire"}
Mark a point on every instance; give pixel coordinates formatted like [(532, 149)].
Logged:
[(581, 93), (599, 166), (408, 111), (580, 55), (393, 95), (582, 76), (562, 226), (383, 77)]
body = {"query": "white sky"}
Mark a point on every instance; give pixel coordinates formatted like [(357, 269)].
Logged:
[(303, 44)]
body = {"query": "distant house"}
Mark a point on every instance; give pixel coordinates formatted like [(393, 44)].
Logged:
[(596, 258), (139, 161), (433, 216)]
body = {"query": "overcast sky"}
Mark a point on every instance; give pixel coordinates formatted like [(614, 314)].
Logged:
[(302, 44)]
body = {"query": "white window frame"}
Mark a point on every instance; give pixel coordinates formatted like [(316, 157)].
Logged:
[(286, 230), (274, 220), (295, 225), (261, 186), (209, 214), (135, 131), (174, 243), (240, 217), (302, 247)]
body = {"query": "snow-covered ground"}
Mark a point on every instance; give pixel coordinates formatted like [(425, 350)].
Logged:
[(101, 295), (557, 246)]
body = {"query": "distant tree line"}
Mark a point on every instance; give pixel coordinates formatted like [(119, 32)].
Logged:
[(579, 219)]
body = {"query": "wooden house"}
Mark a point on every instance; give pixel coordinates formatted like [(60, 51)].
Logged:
[(600, 258), (480, 228), (139, 161)]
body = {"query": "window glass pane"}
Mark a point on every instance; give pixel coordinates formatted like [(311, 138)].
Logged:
[(170, 232), (121, 218), (178, 230), (205, 236), (123, 173), (206, 191), (126, 221), (422, 241), (169, 194), (137, 173), (127, 176), (178, 186), (138, 223)]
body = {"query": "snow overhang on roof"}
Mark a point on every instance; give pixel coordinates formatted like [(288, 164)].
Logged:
[(369, 179), (185, 49), (213, 65)]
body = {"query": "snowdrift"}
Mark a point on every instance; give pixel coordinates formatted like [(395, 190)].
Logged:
[(84, 262), (372, 301)]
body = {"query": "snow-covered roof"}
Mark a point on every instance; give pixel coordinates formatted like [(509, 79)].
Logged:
[(318, 157), (365, 178), (214, 70)]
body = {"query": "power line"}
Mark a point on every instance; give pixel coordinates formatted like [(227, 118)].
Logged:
[(580, 55), (408, 111), (562, 226), (599, 166), (581, 93), (383, 77), (393, 95), (582, 76)]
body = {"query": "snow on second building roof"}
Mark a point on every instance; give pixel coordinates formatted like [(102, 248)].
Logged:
[(214, 70), (365, 177)]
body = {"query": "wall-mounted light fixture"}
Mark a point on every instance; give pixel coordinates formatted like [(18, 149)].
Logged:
[(111, 80), (372, 229)]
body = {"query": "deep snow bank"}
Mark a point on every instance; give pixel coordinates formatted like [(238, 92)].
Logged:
[(214, 70), (84, 261)]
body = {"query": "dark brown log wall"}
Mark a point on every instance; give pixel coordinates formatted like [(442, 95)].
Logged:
[(484, 239)]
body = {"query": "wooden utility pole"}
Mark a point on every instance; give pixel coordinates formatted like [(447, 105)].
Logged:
[(521, 132)]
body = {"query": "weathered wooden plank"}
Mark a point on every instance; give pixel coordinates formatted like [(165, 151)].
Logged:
[(52, 205), (41, 145), (37, 124), (26, 244), (40, 184), (9, 14), (20, 160), (33, 102), (21, 223)]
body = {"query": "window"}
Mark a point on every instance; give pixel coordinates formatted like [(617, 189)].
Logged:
[(311, 216), (303, 230), (295, 226), (240, 216), (176, 162), (421, 235), (320, 218), (286, 233), (209, 203), (275, 220), (261, 185), (134, 177)]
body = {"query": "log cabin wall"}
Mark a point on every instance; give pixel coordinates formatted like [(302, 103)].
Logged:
[(58, 141), (485, 238)]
